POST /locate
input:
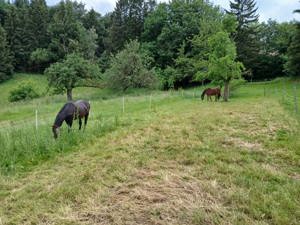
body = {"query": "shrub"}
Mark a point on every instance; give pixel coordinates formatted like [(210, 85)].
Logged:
[(129, 69), (24, 91)]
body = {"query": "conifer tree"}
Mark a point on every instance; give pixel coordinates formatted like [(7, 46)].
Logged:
[(15, 25), (6, 67), (38, 23), (128, 21), (246, 33)]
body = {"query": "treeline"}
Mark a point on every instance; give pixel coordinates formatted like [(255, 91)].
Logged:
[(166, 43)]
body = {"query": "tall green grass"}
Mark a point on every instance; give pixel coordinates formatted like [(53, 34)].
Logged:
[(23, 147)]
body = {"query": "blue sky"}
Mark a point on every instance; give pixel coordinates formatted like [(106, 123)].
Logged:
[(280, 10)]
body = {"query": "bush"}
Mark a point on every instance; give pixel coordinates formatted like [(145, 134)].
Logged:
[(129, 70), (24, 91)]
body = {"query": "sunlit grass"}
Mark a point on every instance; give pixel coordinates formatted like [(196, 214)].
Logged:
[(178, 160)]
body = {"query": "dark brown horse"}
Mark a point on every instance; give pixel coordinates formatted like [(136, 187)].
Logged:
[(69, 112), (211, 91)]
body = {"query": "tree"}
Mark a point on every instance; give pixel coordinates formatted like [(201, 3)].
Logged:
[(222, 64), (73, 72), (127, 21), (40, 59), (246, 34), (68, 35), (6, 67), (4, 5), (64, 31), (169, 33), (38, 23), (293, 64), (93, 20), (15, 25), (274, 39), (129, 70)]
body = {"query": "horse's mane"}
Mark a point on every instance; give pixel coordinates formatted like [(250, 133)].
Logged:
[(65, 106), (60, 117)]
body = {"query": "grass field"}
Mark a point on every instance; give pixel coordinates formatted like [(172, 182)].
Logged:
[(176, 160)]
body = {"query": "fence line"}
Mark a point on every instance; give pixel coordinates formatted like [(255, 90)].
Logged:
[(289, 95)]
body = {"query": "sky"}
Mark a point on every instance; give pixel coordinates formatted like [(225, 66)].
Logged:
[(280, 10)]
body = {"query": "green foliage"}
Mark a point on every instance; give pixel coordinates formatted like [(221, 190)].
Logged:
[(173, 25), (127, 21), (24, 91), (93, 20), (15, 25), (40, 59), (87, 44), (170, 32), (167, 78), (72, 72), (6, 67), (38, 24), (293, 64), (128, 70), (246, 37), (222, 64), (274, 41), (64, 31)]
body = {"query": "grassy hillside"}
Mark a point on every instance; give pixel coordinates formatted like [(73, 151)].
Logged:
[(176, 160)]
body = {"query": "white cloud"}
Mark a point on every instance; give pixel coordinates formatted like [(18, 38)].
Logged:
[(280, 10)]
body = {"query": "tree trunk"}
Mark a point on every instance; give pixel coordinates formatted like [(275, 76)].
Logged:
[(69, 95), (226, 91)]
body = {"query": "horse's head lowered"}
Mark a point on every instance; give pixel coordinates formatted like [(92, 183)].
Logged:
[(55, 130)]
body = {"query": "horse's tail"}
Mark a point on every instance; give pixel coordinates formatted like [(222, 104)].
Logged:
[(203, 93)]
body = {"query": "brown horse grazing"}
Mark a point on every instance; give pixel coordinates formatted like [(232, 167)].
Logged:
[(69, 112), (211, 91)]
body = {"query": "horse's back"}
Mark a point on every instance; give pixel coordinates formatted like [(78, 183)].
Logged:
[(83, 107)]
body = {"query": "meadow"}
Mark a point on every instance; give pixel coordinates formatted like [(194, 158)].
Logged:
[(169, 158)]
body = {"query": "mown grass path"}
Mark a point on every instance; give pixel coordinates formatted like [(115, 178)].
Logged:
[(182, 162)]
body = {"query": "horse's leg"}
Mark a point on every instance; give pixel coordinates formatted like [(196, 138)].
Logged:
[(80, 122), (85, 120), (69, 122)]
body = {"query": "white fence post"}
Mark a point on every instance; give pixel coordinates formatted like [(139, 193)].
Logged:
[(36, 119)]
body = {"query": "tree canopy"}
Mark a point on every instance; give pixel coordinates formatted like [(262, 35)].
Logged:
[(72, 72)]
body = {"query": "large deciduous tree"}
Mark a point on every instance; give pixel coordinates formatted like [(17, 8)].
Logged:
[(169, 33), (222, 64), (246, 34), (74, 71)]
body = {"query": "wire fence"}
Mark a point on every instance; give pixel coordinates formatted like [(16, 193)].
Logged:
[(287, 93)]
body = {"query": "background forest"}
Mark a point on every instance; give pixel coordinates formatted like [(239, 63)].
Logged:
[(144, 44)]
